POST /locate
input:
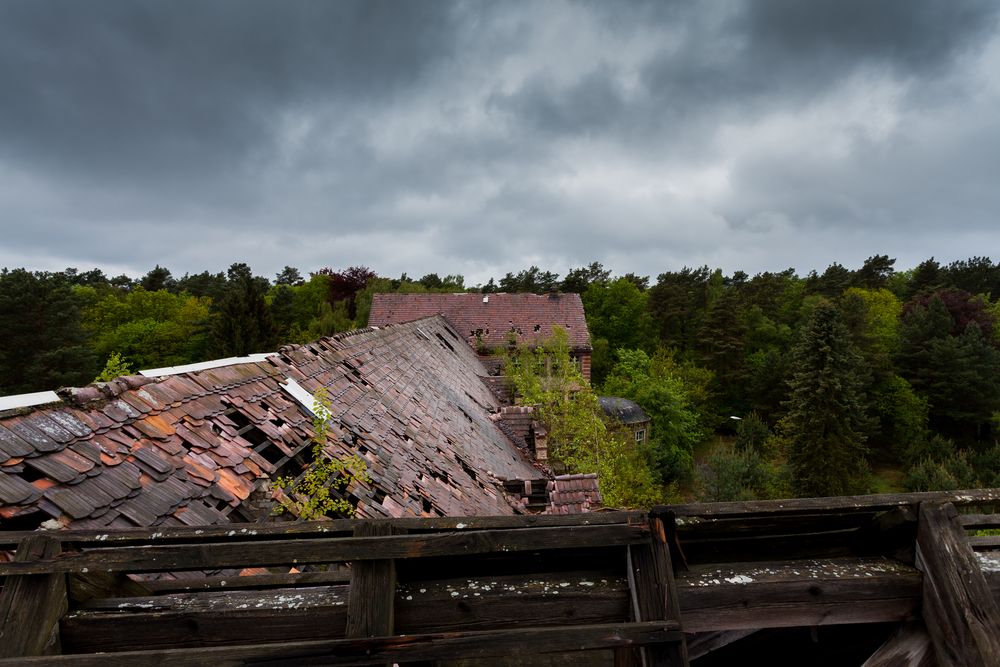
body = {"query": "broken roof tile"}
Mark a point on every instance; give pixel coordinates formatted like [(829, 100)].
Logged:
[(15, 491)]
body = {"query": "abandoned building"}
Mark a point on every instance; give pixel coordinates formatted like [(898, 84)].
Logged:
[(137, 528), (491, 322), (629, 414), (200, 445)]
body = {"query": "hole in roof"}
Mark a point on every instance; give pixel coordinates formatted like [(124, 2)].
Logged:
[(29, 475), (379, 495), (271, 453), (427, 506), (538, 327), (254, 435), (467, 468), (445, 343), (27, 521)]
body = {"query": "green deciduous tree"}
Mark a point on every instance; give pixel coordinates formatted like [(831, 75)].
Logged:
[(150, 329), (580, 439), (616, 314), (827, 418), (663, 396)]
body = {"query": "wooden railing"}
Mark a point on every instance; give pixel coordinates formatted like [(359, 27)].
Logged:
[(663, 587)]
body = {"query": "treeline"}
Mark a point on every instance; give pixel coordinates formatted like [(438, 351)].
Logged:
[(61, 328), (821, 378)]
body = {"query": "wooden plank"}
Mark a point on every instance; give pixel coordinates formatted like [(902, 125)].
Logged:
[(310, 613), (701, 644), (909, 646), (279, 552), (31, 606), (798, 593), (218, 618), (90, 585), (979, 520), (339, 575), (834, 504), (985, 543), (373, 590), (959, 611), (297, 530), (374, 651), (651, 580)]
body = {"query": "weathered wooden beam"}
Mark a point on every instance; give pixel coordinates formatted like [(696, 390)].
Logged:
[(374, 651), (653, 593), (702, 643), (798, 593), (373, 590), (90, 585), (239, 532), (959, 611), (835, 504), (214, 618), (985, 543), (337, 575), (31, 605), (909, 646), (980, 520), (279, 552)]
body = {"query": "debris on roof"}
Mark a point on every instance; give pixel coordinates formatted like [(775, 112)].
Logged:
[(489, 321), (200, 447)]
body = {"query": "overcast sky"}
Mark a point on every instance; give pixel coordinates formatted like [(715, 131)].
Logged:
[(482, 137)]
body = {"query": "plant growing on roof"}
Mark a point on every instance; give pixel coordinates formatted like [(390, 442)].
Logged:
[(315, 494), (114, 368)]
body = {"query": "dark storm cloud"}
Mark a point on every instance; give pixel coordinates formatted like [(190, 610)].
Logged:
[(480, 137), (167, 89)]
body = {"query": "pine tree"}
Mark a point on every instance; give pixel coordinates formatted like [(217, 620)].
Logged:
[(244, 324), (826, 420)]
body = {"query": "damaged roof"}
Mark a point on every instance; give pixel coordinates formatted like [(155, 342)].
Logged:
[(192, 448), (487, 319)]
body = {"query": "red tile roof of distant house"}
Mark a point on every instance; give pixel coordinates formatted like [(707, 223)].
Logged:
[(487, 319)]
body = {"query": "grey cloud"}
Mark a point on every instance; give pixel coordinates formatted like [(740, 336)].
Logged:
[(167, 89), (428, 136)]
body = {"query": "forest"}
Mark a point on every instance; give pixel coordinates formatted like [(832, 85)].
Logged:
[(772, 385)]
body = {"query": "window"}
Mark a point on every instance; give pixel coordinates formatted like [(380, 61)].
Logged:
[(640, 435)]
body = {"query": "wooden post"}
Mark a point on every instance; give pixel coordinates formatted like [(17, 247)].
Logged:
[(32, 604), (960, 613), (373, 589), (654, 593)]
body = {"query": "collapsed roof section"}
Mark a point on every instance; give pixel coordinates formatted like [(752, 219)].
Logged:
[(487, 320), (200, 447)]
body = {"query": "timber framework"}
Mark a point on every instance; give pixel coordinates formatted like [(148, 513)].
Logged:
[(874, 580)]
